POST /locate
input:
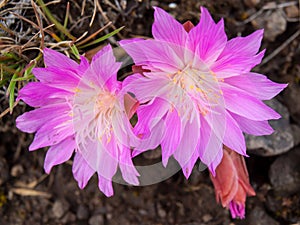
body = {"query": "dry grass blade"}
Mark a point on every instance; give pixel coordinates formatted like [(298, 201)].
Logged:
[(30, 192), (94, 34)]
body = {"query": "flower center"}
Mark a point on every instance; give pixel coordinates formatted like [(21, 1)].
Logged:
[(201, 86)]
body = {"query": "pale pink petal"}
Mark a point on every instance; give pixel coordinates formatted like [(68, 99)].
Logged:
[(247, 106), (31, 121), (210, 146), (156, 55), (129, 173), (105, 186), (57, 78), (185, 152), (256, 85), (247, 46), (172, 136), (53, 132), (150, 127), (59, 153), (104, 68), (236, 64), (207, 39), (137, 84), (57, 60), (37, 94), (234, 138), (82, 172), (166, 28), (253, 127)]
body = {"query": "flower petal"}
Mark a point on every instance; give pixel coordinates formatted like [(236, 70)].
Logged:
[(253, 127), (256, 85), (82, 172), (234, 138), (37, 94), (31, 121), (185, 152), (156, 55), (247, 106), (207, 39), (247, 46), (129, 173), (57, 78), (57, 60), (166, 28), (59, 153), (172, 136), (53, 132)]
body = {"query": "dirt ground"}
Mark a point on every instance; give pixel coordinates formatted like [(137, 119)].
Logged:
[(28, 196)]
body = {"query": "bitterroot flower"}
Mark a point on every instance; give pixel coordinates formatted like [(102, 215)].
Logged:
[(197, 90), (80, 108), (232, 183)]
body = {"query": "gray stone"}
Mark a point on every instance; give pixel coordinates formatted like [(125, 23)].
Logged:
[(291, 99), (296, 134), (280, 141), (59, 208), (258, 216), (82, 212), (96, 220), (284, 173)]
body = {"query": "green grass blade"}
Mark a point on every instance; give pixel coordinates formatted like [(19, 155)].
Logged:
[(103, 37)]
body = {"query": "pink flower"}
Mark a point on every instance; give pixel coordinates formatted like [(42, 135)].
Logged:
[(232, 183), (81, 108), (197, 90)]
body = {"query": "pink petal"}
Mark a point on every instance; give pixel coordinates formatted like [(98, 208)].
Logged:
[(253, 127), (256, 85), (172, 136), (235, 64), (207, 39), (127, 168), (105, 185), (53, 132), (37, 94), (234, 138), (210, 146), (57, 60), (57, 78), (31, 121), (103, 69), (150, 126), (59, 153), (82, 172), (247, 46), (247, 106), (185, 152), (156, 55), (137, 85), (166, 28)]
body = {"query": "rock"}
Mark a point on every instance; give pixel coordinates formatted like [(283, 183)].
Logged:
[(284, 173), (296, 134), (17, 170), (82, 212), (251, 3), (258, 216), (96, 220), (59, 208), (206, 218), (285, 208), (4, 172), (274, 24), (291, 99), (280, 141), (292, 11)]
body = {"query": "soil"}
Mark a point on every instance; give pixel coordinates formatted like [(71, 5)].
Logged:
[(28, 196)]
